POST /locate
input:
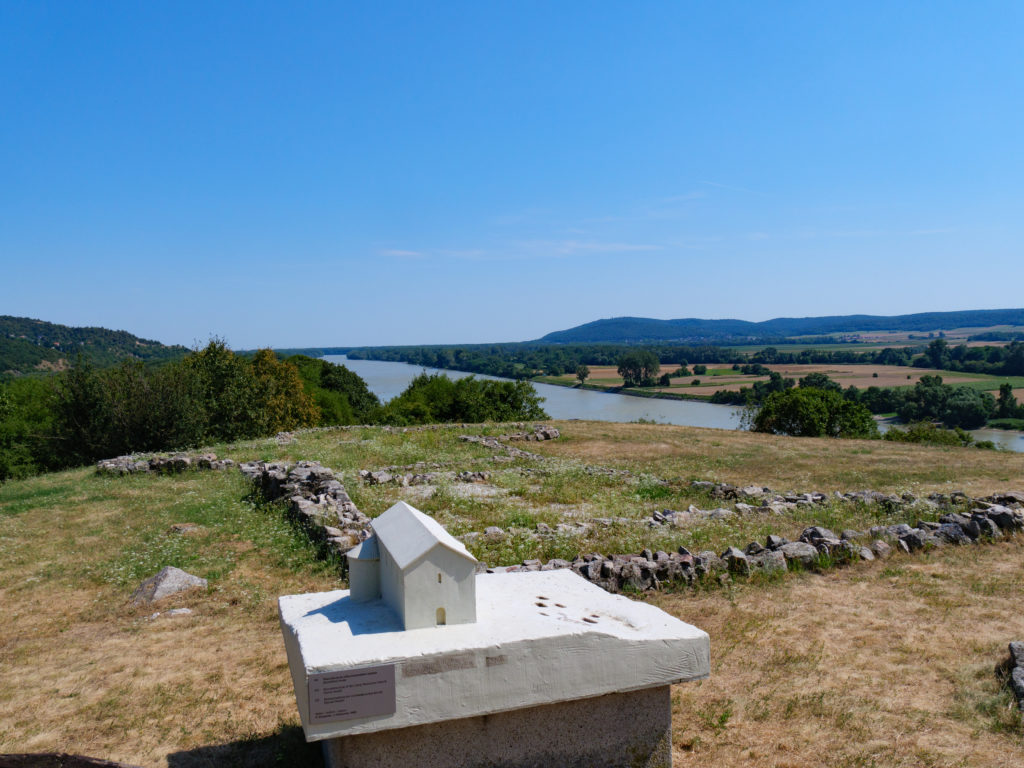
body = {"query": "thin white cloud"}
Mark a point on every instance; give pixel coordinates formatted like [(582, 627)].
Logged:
[(932, 231), (572, 247), (695, 195), (839, 234), (463, 253), (404, 254), (732, 188)]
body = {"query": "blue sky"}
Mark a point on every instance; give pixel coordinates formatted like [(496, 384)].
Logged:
[(305, 174)]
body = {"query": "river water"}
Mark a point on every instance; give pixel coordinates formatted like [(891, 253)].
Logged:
[(387, 380)]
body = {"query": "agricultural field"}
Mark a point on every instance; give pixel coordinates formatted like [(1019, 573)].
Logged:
[(723, 377), (864, 341), (886, 663)]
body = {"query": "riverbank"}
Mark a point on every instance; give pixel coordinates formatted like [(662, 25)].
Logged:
[(387, 379), (628, 391), (595, 402)]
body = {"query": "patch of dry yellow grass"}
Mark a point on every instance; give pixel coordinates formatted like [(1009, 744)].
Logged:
[(85, 671), (861, 376), (887, 664), (787, 463), (881, 664)]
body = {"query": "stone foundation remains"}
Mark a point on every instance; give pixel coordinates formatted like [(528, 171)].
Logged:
[(1012, 671), (318, 500)]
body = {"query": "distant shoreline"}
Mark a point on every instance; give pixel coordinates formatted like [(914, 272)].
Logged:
[(628, 392)]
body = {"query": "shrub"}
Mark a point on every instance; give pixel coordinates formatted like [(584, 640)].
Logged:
[(436, 398), (812, 412), (932, 434), (212, 395)]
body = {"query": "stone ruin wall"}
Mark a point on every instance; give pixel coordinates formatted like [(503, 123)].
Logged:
[(317, 499)]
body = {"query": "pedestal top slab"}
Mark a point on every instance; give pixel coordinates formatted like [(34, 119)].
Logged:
[(540, 637)]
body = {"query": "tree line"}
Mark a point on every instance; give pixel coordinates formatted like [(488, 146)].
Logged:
[(935, 413), (529, 359), (928, 400), (214, 395)]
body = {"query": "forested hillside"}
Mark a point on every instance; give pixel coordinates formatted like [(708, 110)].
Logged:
[(626, 330), (28, 345)]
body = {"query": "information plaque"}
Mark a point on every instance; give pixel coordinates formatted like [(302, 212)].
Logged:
[(364, 692)]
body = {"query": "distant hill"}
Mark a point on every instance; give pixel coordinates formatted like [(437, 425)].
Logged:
[(31, 346), (626, 330)]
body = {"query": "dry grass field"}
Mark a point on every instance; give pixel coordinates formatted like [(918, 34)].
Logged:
[(86, 672), (1018, 392), (882, 664), (885, 663), (786, 463), (953, 336), (861, 376), (721, 376)]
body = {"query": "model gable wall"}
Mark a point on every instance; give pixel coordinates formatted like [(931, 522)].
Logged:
[(455, 593)]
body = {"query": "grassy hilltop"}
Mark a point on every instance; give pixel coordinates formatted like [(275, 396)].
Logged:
[(884, 663)]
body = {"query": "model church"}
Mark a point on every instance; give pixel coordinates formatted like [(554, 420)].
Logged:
[(425, 575)]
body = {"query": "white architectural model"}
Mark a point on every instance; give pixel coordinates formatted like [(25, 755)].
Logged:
[(537, 668), (419, 570)]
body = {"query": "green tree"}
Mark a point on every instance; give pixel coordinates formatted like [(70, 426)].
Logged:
[(334, 406), (338, 378), (967, 408), (26, 428), (700, 369), (812, 412), (938, 353), (126, 409), (82, 414), (1013, 361), (927, 400), (284, 402), (582, 373), (437, 399), (1006, 405), (638, 367), (819, 380), (228, 391)]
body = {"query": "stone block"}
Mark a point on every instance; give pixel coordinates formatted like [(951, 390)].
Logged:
[(618, 729), (540, 638), (168, 581)]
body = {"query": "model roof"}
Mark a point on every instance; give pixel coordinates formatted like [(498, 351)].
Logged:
[(408, 534), (365, 550)]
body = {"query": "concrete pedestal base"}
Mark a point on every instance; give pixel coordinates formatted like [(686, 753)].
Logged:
[(618, 730)]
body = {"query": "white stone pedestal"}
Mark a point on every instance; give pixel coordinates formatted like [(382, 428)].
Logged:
[(554, 671), (617, 730)]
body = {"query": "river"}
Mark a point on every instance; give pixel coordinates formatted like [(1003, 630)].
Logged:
[(387, 379)]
